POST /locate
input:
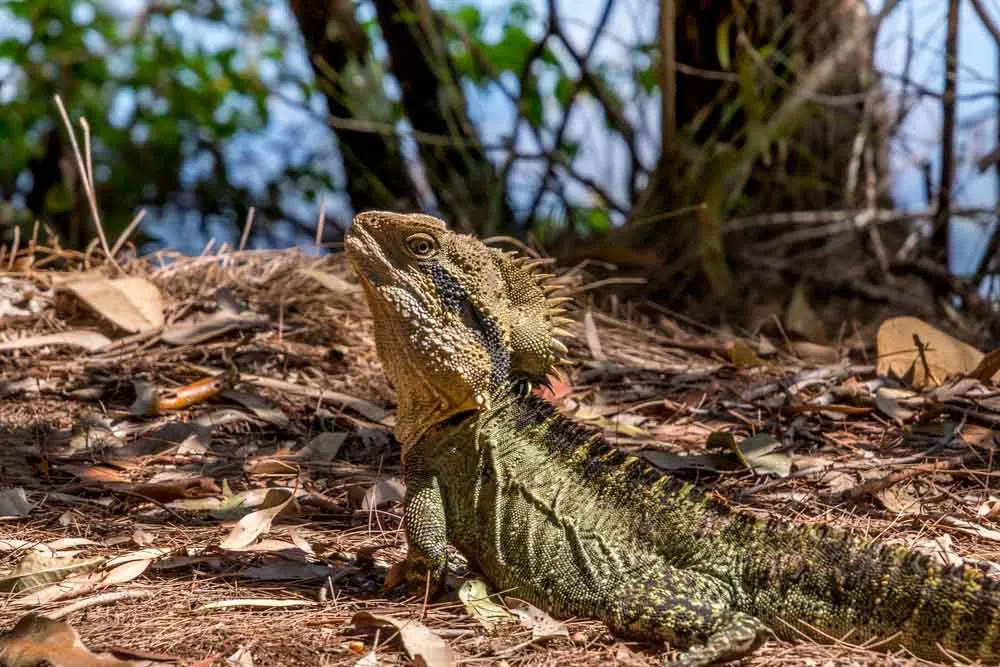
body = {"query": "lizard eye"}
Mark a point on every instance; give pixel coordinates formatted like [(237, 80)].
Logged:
[(423, 246)]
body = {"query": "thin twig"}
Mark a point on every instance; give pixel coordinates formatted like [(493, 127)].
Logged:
[(939, 236), (127, 232), (88, 185), (668, 81), (321, 223), (97, 600), (247, 226)]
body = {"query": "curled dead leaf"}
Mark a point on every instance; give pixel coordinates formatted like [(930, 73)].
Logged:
[(476, 599), (255, 524), (913, 350), (36, 640), (542, 625), (132, 304), (418, 641)]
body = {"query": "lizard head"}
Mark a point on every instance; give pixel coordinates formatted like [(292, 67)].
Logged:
[(455, 320)]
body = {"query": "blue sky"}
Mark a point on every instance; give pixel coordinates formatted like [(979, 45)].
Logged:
[(921, 134)]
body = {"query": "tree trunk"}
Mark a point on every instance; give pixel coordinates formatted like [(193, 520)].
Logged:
[(376, 173), (465, 183), (736, 158)]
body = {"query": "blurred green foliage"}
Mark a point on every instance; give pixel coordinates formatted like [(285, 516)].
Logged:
[(176, 90), (165, 90)]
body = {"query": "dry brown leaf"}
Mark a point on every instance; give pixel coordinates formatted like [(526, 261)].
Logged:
[(989, 367), (241, 658), (37, 640), (979, 436), (147, 554), (900, 498), (323, 448), (88, 340), (255, 524), (475, 597), (84, 583), (133, 304), (40, 568), (93, 473), (542, 625), (298, 540), (887, 400), (382, 492), (417, 639), (271, 466), (198, 330), (170, 490), (741, 354), (261, 407), (945, 355), (941, 548), (800, 318), (814, 352), (14, 503), (63, 543), (989, 508)]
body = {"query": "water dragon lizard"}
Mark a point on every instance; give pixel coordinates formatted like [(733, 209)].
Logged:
[(545, 508)]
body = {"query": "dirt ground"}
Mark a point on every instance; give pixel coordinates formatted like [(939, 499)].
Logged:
[(233, 373)]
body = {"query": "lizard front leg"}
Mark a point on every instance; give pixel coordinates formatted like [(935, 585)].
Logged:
[(425, 524)]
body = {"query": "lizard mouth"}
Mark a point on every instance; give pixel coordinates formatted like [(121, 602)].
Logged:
[(365, 255)]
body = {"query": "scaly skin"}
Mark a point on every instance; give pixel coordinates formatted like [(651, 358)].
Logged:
[(552, 513)]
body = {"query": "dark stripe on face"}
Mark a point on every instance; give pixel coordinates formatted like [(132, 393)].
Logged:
[(454, 298)]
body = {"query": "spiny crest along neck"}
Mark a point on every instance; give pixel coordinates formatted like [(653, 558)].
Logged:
[(455, 320)]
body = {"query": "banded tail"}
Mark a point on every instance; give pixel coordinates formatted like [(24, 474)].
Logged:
[(851, 588)]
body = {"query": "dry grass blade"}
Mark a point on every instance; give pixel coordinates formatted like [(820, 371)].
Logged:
[(86, 176)]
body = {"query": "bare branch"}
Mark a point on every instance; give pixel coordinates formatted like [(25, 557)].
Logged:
[(939, 237), (668, 78)]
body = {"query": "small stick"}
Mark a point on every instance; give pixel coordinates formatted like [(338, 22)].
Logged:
[(14, 247), (247, 226), (922, 351), (321, 223), (123, 237), (104, 598), (427, 594), (88, 185)]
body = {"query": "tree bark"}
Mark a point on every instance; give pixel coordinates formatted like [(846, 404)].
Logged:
[(376, 173), (942, 219), (464, 181)]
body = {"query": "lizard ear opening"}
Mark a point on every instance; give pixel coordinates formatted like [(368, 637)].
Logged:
[(536, 315)]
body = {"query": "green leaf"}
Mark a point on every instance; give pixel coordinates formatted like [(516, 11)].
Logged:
[(722, 44), (597, 220), (520, 12), (509, 53), (531, 107), (477, 602), (564, 91), (758, 453), (646, 78), (469, 17)]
